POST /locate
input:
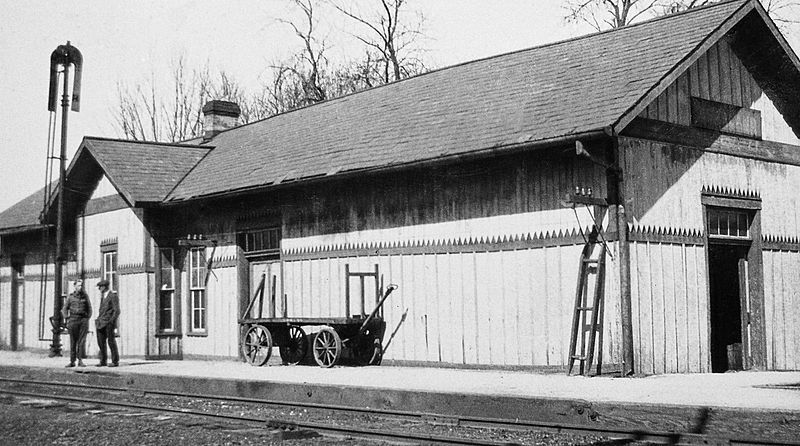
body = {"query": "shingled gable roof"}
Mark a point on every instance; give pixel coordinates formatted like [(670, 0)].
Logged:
[(24, 214), (143, 172), (517, 99)]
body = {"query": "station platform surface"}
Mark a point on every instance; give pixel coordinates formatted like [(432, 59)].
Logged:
[(748, 401)]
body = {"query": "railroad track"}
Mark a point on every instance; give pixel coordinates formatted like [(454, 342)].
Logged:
[(617, 434)]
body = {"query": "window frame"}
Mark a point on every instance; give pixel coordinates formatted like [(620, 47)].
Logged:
[(174, 325), (198, 299), (110, 251)]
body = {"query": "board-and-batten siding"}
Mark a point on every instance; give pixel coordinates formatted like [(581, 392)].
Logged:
[(719, 75), (222, 307), (121, 225), (666, 181), (509, 308), (669, 305), (5, 306), (782, 308)]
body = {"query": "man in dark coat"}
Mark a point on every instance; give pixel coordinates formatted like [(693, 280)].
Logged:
[(77, 311), (106, 322)]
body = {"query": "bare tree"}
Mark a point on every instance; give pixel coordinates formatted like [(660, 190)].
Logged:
[(172, 111), (607, 14), (390, 31)]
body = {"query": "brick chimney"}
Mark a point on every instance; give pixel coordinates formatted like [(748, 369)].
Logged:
[(219, 116)]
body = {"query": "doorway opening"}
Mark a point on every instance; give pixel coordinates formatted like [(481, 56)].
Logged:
[(727, 267)]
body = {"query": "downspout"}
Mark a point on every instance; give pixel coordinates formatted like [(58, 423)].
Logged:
[(618, 185)]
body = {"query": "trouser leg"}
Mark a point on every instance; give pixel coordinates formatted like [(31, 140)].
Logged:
[(101, 342), (74, 333), (112, 344), (81, 347)]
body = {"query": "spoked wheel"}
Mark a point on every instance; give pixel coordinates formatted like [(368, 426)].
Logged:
[(257, 345), (296, 346), (327, 347)]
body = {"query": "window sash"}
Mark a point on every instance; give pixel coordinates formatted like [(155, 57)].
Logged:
[(167, 311), (729, 223), (110, 269), (197, 269), (198, 319)]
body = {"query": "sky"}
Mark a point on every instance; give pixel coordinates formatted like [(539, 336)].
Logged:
[(130, 41)]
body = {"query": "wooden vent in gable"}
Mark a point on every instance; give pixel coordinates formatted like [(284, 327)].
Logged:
[(726, 118)]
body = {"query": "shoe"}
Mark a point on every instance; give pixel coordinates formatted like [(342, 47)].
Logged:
[(81, 364), (102, 364), (113, 364), (71, 364)]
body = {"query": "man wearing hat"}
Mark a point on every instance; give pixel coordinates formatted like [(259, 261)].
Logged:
[(77, 311), (106, 322)]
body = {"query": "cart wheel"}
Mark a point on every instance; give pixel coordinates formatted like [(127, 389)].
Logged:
[(327, 347), (296, 346), (368, 351), (257, 345)]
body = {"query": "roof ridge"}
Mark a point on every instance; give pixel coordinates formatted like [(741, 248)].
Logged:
[(494, 56), (159, 143)]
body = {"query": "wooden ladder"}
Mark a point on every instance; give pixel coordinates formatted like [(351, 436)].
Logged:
[(587, 319)]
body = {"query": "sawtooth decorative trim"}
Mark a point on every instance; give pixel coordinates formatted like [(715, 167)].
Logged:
[(482, 244), (674, 236), (780, 243)]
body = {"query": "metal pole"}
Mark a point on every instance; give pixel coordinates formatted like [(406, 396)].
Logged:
[(55, 347)]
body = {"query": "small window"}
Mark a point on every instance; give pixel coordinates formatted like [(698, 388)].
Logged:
[(110, 269), (167, 291), (197, 288), (729, 223), (261, 241)]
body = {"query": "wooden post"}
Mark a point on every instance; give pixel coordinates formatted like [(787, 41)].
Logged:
[(272, 296), (346, 289), (624, 259)]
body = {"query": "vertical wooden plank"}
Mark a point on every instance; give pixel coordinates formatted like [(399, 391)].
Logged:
[(636, 298), (484, 270), (736, 79), (713, 74), (432, 308), (670, 273), (469, 327), (672, 103), (494, 305), (553, 286), (420, 298), (511, 272), (794, 294), (785, 310), (724, 61), (694, 79), (703, 306), (658, 313), (646, 298), (703, 75), (682, 309), (410, 329), (444, 297), (684, 105), (538, 293), (663, 106), (314, 289), (524, 309)]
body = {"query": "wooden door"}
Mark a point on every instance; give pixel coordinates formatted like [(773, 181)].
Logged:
[(744, 295)]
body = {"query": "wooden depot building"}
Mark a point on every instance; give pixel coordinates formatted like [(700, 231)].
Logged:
[(473, 188)]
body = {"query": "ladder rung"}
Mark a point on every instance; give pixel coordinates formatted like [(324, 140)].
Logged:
[(590, 261), (585, 308), (580, 357)]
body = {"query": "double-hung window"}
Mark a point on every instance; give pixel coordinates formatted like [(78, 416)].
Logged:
[(166, 307), (110, 269), (197, 289)]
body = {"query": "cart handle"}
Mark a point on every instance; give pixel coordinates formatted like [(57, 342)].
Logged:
[(389, 290)]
